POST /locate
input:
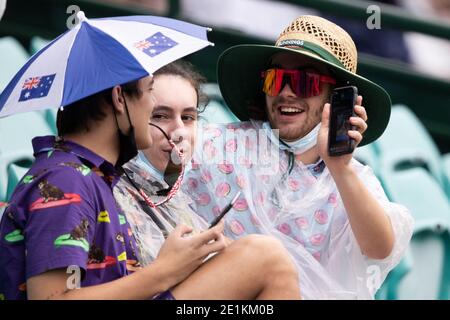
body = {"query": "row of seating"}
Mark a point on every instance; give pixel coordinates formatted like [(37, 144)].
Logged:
[(415, 174)]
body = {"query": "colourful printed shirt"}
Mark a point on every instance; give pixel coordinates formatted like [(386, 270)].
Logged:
[(62, 215)]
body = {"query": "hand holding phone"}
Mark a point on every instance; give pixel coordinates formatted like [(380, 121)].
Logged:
[(225, 210), (343, 102)]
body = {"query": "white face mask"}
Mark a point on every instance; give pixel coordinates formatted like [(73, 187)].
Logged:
[(143, 162), (2, 8), (297, 147)]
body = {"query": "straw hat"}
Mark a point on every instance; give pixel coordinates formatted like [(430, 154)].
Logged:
[(239, 69)]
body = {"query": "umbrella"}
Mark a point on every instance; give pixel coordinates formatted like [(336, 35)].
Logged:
[(98, 54)]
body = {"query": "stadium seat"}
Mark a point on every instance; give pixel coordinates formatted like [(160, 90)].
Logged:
[(37, 43), (390, 288), (50, 117), (421, 194), (446, 168), (430, 272), (12, 57), (216, 111), (430, 247), (15, 174), (17, 132), (367, 155), (406, 143)]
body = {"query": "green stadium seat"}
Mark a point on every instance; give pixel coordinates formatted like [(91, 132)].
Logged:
[(430, 247), (216, 111), (430, 273), (367, 155), (390, 288), (421, 194), (37, 43), (17, 132), (12, 57), (404, 159), (406, 143), (446, 168), (50, 117), (15, 174)]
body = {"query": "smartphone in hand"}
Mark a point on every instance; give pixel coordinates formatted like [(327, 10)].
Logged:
[(343, 102), (225, 210)]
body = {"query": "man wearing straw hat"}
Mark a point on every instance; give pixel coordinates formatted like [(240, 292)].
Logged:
[(62, 235), (330, 212)]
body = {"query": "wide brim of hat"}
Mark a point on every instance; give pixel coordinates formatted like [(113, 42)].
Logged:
[(239, 68)]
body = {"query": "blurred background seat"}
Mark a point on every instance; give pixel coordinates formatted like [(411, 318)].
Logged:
[(419, 192), (37, 43), (15, 174), (12, 57), (216, 111), (390, 288), (368, 156), (15, 144), (446, 168), (427, 277), (406, 143)]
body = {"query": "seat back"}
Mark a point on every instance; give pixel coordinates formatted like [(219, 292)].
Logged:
[(16, 133), (216, 111), (406, 143), (15, 174), (12, 57)]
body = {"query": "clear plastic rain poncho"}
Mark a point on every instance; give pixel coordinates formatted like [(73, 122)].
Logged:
[(151, 226), (298, 204)]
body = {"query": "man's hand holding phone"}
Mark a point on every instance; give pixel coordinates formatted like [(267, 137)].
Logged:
[(357, 121), (343, 101)]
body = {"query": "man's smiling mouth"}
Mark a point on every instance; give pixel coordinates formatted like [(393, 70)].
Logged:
[(290, 110)]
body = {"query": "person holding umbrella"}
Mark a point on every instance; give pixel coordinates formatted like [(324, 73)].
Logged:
[(62, 229)]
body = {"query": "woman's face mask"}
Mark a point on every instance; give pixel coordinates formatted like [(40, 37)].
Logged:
[(176, 116), (174, 180), (176, 160)]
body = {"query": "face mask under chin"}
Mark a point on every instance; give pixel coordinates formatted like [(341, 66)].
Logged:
[(128, 149), (127, 143)]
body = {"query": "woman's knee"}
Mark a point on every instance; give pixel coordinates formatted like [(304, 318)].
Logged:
[(267, 257), (258, 243), (263, 247)]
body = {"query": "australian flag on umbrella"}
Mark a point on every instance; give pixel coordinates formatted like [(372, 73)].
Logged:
[(36, 87), (155, 44)]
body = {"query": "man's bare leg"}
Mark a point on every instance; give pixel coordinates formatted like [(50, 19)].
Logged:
[(253, 267)]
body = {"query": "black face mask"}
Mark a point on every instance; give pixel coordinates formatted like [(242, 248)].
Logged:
[(127, 143)]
